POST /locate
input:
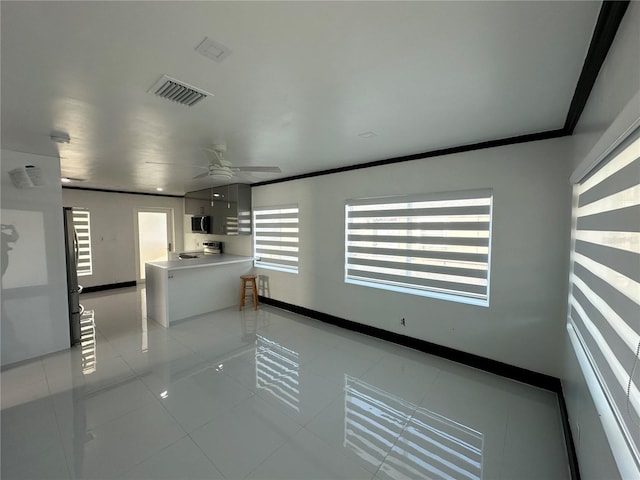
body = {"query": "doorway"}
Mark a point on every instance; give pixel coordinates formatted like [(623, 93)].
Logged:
[(154, 237)]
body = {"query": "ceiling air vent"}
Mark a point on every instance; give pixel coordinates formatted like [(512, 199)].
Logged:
[(178, 91)]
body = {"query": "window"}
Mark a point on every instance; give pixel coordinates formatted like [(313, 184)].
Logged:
[(432, 245), (275, 240), (82, 224), (604, 299)]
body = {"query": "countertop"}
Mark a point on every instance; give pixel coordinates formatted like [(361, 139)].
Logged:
[(203, 261)]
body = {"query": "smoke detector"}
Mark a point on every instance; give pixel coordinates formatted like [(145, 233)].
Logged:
[(213, 50)]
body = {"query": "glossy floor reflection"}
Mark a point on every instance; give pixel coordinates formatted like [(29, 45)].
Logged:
[(265, 395)]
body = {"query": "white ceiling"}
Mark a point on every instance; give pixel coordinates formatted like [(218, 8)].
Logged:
[(304, 79)]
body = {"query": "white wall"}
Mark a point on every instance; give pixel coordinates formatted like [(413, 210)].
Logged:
[(112, 230), (618, 84), (35, 317), (524, 324)]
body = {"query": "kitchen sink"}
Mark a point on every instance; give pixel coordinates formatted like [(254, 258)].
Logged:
[(184, 256)]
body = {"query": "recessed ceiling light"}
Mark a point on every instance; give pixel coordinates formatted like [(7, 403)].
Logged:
[(65, 180), (368, 134), (159, 189)]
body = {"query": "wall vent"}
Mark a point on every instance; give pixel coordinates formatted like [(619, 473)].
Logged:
[(178, 91)]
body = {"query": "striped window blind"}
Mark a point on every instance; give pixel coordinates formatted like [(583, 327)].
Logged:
[(278, 371), (604, 300), (417, 443), (82, 224), (275, 240), (435, 245)]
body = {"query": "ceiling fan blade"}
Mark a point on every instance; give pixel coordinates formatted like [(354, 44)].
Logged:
[(257, 169), (177, 164), (202, 175)]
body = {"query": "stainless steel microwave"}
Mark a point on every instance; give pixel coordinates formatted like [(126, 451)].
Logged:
[(201, 224)]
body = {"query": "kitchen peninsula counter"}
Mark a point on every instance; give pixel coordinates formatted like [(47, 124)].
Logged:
[(180, 289), (203, 260)]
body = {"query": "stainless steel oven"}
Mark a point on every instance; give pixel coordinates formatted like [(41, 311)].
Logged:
[(212, 247)]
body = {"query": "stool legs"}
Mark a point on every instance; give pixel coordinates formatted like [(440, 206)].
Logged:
[(249, 282), (243, 293), (254, 288)]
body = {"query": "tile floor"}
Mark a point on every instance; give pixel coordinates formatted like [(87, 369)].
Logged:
[(264, 395)]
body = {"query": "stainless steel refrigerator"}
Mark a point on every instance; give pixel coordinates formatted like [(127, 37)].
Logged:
[(73, 288)]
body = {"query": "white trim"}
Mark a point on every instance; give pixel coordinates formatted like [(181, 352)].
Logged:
[(619, 161), (291, 227), (136, 233), (266, 266), (377, 229), (620, 449), (422, 293), (618, 131)]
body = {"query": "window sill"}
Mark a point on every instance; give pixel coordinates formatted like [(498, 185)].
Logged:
[(479, 302), (275, 267)]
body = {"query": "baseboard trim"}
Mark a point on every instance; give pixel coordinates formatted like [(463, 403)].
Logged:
[(110, 286), (492, 366), (572, 454), (519, 374)]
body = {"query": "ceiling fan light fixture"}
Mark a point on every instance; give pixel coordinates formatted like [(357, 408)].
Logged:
[(220, 173), (223, 170), (368, 134)]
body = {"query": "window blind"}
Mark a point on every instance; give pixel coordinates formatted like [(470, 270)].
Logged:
[(604, 300), (82, 224), (278, 371), (276, 238), (379, 424), (434, 245)]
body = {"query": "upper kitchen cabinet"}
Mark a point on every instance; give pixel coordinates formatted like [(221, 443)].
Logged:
[(230, 208), (219, 208), (198, 202), (242, 193)]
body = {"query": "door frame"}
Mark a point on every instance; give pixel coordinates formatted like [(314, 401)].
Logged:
[(171, 233)]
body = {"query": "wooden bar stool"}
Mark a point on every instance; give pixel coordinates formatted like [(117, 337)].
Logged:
[(248, 282)]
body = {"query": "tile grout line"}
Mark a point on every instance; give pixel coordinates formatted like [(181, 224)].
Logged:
[(55, 414)]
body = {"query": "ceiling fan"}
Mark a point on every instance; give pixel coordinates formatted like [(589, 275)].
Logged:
[(220, 168)]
